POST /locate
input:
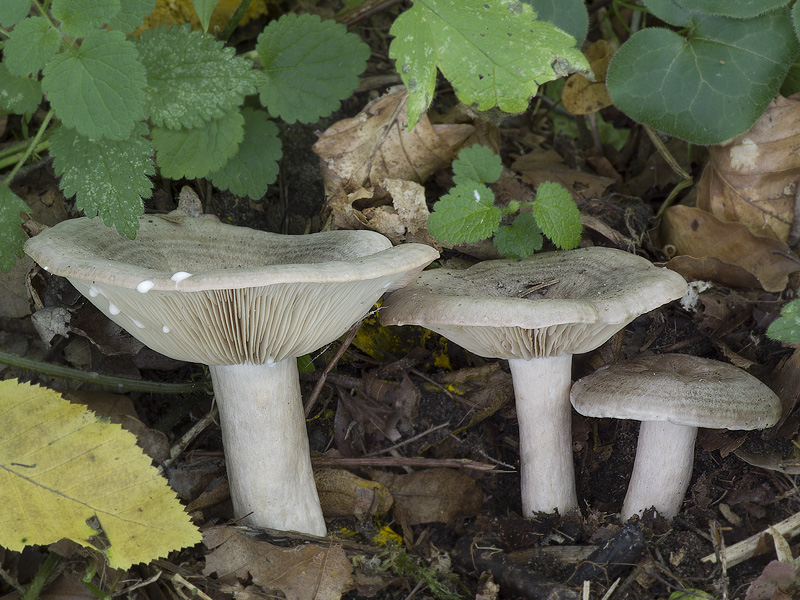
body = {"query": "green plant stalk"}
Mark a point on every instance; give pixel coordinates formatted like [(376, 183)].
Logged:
[(237, 16), (122, 384), (31, 147), (17, 156), (41, 577), (43, 11)]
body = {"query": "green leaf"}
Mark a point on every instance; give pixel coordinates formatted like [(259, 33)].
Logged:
[(13, 11), (131, 15), (494, 52), (79, 19), (557, 215), (21, 95), (786, 328), (255, 164), (310, 65), (204, 9), (464, 215), (710, 86), (28, 48), (476, 164), (12, 237), (107, 177), (669, 12), (521, 239), (740, 9), (192, 79), (569, 15), (198, 151), (796, 19), (98, 89)]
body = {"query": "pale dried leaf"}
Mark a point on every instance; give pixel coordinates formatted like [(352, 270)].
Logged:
[(344, 494), (581, 95), (546, 165)]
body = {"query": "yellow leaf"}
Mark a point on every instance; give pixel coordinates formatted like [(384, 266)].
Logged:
[(61, 464)]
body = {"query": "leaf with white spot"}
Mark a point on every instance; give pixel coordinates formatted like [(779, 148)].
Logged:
[(107, 177), (192, 79), (12, 237), (466, 214), (20, 95), (81, 17), (198, 151), (557, 214), (476, 164), (495, 53), (29, 46)]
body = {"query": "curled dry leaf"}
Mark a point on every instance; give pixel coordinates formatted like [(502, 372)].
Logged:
[(406, 220), (581, 96), (752, 179), (727, 253), (343, 494), (540, 166)]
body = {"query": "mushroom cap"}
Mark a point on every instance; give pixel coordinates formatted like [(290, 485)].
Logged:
[(202, 291), (550, 304), (679, 388)]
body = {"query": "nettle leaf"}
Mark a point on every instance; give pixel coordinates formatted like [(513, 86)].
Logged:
[(710, 86), (466, 214), (670, 12), (796, 19), (107, 177), (197, 152), (569, 15), (740, 9), (98, 89), (476, 164), (255, 164), (28, 48), (311, 65), (557, 215), (131, 15), (520, 239), (21, 95), (204, 8), (786, 328), (192, 79), (494, 52), (12, 237), (13, 11), (79, 19)]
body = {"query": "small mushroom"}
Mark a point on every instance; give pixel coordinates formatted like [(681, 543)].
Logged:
[(672, 395), (246, 303), (537, 313)]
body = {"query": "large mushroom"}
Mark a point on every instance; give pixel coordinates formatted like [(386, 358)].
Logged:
[(246, 303), (672, 395), (537, 313)]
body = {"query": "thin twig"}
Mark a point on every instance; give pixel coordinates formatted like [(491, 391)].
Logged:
[(348, 339), (187, 438)]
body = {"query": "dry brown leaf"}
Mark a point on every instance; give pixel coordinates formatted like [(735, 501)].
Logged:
[(752, 179), (582, 96), (343, 494), (432, 496), (406, 220), (307, 572), (172, 12), (546, 165), (727, 253)]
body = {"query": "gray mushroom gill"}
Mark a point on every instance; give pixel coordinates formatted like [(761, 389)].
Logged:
[(246, 303)]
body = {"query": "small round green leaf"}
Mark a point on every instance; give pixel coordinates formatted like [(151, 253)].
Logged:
[(476, 164), (786, 328), (737, 9), (557, 215), (29, 46)]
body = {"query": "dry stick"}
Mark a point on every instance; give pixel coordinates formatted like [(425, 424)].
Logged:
[(742, 551), (456, 463), (187, 438), (348, 339), (406, 442)]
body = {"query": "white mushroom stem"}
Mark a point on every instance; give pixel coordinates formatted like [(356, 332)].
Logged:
[(662, 469), (266, 446), (544, 412)]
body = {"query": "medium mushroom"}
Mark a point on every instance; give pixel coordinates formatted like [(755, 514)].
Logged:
[(246, 303), (672, 395), (537, 312)]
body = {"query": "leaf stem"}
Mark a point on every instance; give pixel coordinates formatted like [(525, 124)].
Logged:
[(31, 147), (122, 384), (12, 155), (43, 11), (234, 20), (41, 577)]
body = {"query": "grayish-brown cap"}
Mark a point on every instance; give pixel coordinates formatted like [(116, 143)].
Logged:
[(201, 291), (679, 388), (550, 304)]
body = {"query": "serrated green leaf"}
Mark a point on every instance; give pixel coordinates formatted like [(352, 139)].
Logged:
[(557, 215), (710, 86), (204, 8), (98, 90), (310, 65), (461, 217), (740, 9), (198, 151), (476, 164), (79, 19), (569, 15), (192, 79), (494, 52), (796, 19), (521, 239), (21, 95), (786, 328), (670, 12), (255, 164), (12, 237), (107, 177), (131, 15), (13, 11), (28, 48)]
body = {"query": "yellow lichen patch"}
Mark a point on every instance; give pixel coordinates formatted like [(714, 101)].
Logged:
[(177, 12), (386, 536)]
